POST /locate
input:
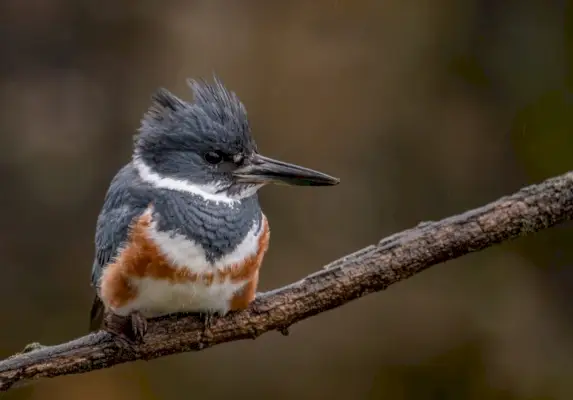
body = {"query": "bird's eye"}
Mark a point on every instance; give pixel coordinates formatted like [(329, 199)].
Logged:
[(213, 157)]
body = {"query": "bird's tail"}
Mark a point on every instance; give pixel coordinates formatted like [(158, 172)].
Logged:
[(96, 314)]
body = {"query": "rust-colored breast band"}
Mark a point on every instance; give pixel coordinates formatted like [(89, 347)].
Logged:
[(141, 257)]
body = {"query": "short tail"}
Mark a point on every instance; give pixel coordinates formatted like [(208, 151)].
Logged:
[(96, 314)]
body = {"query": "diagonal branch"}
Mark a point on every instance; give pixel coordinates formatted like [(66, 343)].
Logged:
[(369, 270)]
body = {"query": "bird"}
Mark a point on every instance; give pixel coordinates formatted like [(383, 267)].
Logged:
[(181, 229)]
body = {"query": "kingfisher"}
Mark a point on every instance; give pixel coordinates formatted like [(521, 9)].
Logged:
[(181, 228)]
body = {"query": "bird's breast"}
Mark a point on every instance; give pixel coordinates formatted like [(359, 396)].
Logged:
[(161, 272)]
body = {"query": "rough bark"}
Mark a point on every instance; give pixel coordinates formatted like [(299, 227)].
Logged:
[(369, 270)]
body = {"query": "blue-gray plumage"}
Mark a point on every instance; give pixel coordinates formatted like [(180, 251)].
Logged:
[(219, 230), (123, 202), (195, 173)]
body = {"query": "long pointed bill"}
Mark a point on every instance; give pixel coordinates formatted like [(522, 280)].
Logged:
[(261, 169)]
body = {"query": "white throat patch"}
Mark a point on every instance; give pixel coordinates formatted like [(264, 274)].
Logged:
[(206, 192)]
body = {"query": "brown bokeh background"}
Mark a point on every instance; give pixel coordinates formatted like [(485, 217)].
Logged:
[(423, 109)]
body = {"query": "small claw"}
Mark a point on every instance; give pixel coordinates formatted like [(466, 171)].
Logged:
[(128, 331), (208, 318), (138, 326)]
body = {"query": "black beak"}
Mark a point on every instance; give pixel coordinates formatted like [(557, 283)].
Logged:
[(260, 169)]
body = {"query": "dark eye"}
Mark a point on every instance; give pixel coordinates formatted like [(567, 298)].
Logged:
[(213, 157)]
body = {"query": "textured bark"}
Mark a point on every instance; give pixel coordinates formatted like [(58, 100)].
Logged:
[(369, 270)]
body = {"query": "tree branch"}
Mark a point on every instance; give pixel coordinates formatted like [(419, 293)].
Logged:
[(369, 270)]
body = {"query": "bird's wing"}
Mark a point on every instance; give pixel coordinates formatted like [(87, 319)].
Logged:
[(123, 202)]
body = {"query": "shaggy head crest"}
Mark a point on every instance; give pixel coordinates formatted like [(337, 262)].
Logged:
[(215, 115)]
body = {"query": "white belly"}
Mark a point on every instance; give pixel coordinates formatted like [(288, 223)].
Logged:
[(155, 298)]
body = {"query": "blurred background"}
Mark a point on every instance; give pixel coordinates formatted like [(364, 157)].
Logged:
[(423, 109)]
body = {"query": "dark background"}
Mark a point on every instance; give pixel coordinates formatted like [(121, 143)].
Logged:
[(423, 109)]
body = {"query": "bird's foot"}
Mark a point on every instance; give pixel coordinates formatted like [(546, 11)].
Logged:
[(208, 318), (128, 331)]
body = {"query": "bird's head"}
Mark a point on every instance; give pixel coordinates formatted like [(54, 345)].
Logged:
[(207, 146)]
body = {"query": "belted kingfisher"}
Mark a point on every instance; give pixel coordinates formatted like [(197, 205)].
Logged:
[(181, 228)]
